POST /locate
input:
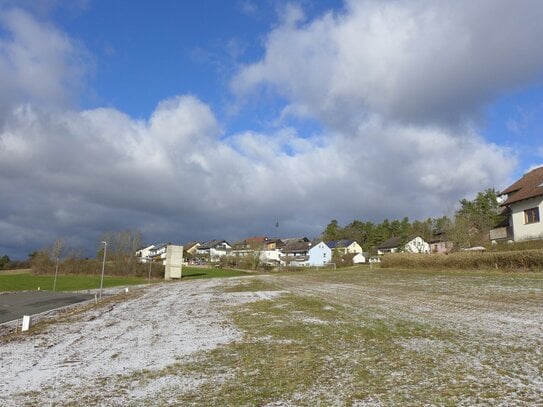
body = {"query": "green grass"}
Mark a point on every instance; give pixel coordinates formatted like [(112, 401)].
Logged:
[(200, 272), (68, 282), (29, 282)]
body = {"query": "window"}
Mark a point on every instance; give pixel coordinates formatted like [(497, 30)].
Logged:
[(531, 215)]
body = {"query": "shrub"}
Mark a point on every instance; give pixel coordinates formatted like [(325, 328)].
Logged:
[(512, 260)]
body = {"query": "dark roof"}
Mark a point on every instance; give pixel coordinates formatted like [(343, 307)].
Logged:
[(390, 243), (529, 186), (211, 244), (294, 239), (297, 246), (333, 244)]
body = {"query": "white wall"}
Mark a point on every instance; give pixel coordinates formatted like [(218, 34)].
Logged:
[(319, 255), (522, 231), (354, 247), (268, 256), (144, 253), (417, 245), (359, 258)]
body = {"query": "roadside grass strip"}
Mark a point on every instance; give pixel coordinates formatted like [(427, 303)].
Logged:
[(75, 282), (31, 282)]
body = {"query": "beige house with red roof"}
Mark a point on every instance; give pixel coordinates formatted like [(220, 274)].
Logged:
[(524, 199)]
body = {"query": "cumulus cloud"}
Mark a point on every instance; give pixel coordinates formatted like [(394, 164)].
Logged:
[(80, 173), (38, 63), (396, 86), (101, 169), (415, 61)]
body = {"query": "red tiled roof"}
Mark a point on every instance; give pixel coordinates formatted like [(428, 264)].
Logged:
[(529, 186)]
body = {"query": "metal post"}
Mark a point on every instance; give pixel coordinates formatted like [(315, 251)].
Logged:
[(150, 266), (103, 268), (56, 273)]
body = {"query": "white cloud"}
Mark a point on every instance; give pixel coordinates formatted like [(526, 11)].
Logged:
[(392, 84), (85, 172), (38, 63), (413, 61)]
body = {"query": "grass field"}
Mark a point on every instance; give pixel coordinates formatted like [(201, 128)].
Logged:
[(24, 280), (352, 337), (384, 337), (200, 272)]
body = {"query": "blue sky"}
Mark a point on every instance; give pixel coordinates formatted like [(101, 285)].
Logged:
[(196, 120)]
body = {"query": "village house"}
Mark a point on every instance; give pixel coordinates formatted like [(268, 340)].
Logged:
[(249, 246), (440, 243), (413, 245), (319, 254), (295, 252), (271, 252), (344, 246), (523, 204), (191, 247), (213, 250)]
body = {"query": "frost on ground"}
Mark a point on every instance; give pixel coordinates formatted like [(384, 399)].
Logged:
[(83, 361), (359, 338), (488, 339)]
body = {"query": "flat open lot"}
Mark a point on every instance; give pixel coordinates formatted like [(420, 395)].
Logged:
[(359, 337)]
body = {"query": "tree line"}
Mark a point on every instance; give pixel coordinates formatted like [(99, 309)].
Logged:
[(120, 259), (468, 227)]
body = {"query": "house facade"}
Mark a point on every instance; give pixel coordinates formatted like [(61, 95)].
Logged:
[(144, 254), (214, 249), (344, 246), (414, 245), (319, 254), (191, 247), (295, 252), (524, 202)]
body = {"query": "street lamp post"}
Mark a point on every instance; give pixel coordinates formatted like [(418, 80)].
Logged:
[(103, 268), (56, 273)]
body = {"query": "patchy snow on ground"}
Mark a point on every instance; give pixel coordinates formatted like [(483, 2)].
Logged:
[(164, 325)]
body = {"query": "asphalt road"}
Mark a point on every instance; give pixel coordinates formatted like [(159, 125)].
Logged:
[(15, 305)]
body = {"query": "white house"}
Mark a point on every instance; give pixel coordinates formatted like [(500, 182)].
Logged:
[(144, 253), (524, 199), (158, 253), (414, 245), (270, 256), (214, 249), (319, 254)]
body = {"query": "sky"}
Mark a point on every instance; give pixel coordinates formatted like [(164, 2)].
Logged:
[(196, 120)]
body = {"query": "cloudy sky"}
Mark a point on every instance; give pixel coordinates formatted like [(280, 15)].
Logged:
[(216, 119)]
